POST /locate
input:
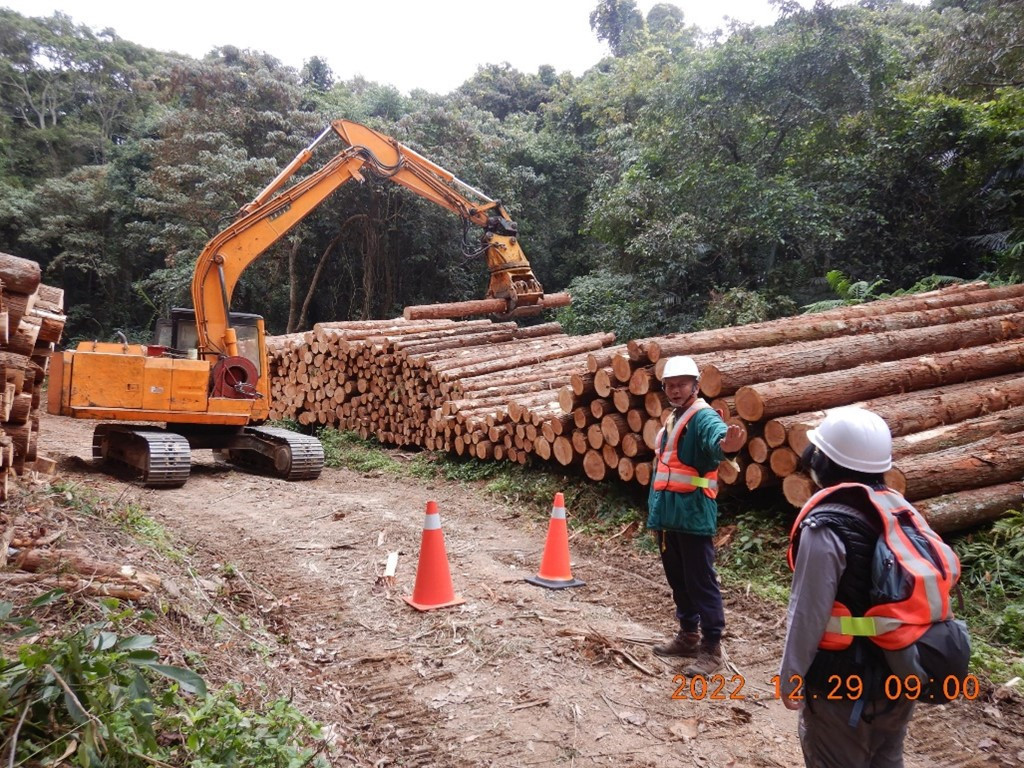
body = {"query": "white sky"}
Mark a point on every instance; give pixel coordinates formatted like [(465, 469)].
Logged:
[(430, 44)]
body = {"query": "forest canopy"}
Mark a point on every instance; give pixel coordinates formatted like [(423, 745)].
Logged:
[(685, 180)]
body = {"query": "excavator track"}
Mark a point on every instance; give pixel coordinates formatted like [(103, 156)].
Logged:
[(159, 459), (281, 453)]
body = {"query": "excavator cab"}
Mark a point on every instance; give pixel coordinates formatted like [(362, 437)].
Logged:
[(180, 335)]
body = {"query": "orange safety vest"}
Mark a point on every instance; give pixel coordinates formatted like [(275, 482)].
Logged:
[(894, 625), (670, 474)]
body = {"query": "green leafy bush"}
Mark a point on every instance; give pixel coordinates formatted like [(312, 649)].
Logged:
[(100, 696)]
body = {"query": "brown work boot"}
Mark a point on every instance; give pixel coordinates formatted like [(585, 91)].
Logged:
[(709, 660), (683, 644)]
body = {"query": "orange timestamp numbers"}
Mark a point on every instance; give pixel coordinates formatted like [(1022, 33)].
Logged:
[(839, 688)]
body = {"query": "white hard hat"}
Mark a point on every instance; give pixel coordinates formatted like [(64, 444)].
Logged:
[(854, 438), (680, 366)]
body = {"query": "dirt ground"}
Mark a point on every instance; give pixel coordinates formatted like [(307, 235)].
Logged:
[(518, 675)]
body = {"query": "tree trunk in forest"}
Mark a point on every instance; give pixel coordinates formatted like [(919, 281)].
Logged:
[(827, 390)]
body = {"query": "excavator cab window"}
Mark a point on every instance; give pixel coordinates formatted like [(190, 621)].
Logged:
[(179, 333)]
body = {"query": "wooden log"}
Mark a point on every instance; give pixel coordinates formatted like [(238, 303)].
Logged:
[(550, 351), (655, 403), (51, 326), (752, 366), (642, 381), (643, 472), (885, 315), (798, 488), (52, 296), (635, 420), (567, 399), (651, 429), (758, 450), (827, 390), (23, 340), (759, 476), (784, 461), (578, 438), (19, 275), (966, 509), (542, 448), (600, 406), (731, 470), (603, 358), (633, 446), (613, 427), (951, 435), (479, 307), (18, 306), (68, 560), (594, 465), (604, 382), (626, 469), (624, 401), (622, 367), (918, 411), (989, 461), (611, 456)]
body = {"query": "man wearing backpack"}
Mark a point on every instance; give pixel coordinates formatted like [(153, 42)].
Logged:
[(683, 514), (847, 629)]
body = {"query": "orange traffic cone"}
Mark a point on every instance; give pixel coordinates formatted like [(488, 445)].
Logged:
[(433, 578), (554, 565)]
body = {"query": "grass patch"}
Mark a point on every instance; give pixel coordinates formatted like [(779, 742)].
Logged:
[(348, 450), (126, 515), (992, 583), (753, 552)]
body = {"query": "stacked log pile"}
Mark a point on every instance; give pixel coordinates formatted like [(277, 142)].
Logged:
[(31, 323), (472, 387), (943, 369)]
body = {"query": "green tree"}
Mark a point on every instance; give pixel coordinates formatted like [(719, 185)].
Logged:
[(618, 23)]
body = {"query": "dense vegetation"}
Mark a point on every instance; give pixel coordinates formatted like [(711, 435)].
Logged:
[(683, 174)]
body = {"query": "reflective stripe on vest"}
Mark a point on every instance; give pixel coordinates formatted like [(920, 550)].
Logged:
[(898, 624), (670, 474)]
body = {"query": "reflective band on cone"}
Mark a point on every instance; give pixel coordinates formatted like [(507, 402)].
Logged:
[(555, 572), (433, 587)]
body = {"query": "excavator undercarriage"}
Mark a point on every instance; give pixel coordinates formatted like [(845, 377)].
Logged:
[(160, 458)]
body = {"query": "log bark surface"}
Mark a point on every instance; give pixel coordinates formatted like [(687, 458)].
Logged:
[(828, 390), (753, 366), (966, 509)]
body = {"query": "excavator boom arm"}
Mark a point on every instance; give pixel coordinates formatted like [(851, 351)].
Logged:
[(273, 213)]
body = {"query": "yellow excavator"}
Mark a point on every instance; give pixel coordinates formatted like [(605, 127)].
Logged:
[(206, 376)]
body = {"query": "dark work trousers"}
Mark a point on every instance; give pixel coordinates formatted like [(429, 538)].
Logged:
[(876, 741), (689, 563)]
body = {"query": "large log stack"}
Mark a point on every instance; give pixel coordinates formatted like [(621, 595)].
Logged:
[(31, 323), (942, 368), (473, 387)]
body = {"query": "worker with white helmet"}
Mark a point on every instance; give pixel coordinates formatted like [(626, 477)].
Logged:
[(683, 514), (832, 547)]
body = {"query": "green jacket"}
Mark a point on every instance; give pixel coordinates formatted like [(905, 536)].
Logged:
[(699, 447)]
